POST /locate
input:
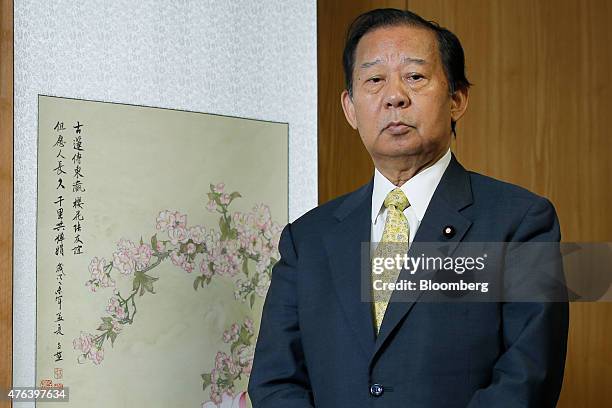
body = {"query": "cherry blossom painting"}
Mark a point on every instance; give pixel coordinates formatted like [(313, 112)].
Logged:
[(157, 233)]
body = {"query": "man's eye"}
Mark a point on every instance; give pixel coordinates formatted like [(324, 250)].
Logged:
[(415, 77), (375, 80)]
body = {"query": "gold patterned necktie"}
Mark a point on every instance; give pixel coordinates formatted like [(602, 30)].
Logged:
[(394, 242)]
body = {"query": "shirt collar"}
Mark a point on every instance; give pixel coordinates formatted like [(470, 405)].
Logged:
[(419, 189)]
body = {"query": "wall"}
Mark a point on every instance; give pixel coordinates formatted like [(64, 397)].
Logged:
[(240, 58)]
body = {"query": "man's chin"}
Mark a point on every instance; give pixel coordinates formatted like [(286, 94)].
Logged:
[(399, 150), (396, 155)]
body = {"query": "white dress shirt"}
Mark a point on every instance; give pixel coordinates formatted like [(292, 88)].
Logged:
[(419, 190)]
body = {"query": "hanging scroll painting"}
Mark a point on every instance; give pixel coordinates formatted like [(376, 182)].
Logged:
[(157, 231)]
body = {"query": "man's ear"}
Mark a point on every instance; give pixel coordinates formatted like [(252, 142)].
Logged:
[(459, 103), (348, 108)]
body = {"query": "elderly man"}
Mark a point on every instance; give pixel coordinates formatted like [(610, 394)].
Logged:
[(320, 344)]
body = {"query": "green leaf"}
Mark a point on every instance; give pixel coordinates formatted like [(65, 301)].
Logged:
[(206, 381), (106, 324), (144, 282), (252, 301), (148, 285), (233, 233), (245, 267), (235, 194), (196, 282), (244, 336), (112, 336), (223, 228), (154, 243), (136, 282), (141, 241)]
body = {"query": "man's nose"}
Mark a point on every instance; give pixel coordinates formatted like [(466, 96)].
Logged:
[(396, 96)]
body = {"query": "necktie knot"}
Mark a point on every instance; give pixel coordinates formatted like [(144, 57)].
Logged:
[(396, 198)]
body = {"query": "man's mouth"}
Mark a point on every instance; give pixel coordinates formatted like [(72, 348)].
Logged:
[(397, 128)]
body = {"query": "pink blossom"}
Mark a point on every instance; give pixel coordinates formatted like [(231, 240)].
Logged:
[(245, 357), (114, 308), (213, 255), (160, 246), (164, 220), (248, 323), (170, 219), (117, 326), (177, 258), (224, 198), (123, 259), (263, 282), (228, 401), (211, 206), (96, 355), (263, 263), (261, 216), (227, 337), (84, 342), (254, 245), (92, 286), (205, 268), (191, 248), (233, 368), (228, 264), (237, 217), (99, 278), (188, 266), (214, 376), (275, 233), (178, 234), (197, 234), (142, 256), (230, 335), (242, 289), (219, 188), (182, 261), (225, 257), (96, 268), (246, 370), (221, 360), (215, 394)]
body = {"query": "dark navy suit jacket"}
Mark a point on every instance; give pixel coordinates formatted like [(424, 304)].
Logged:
[(317, 346)]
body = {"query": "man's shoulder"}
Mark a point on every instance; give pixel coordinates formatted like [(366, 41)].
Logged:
[(491, 192), (321, 217)]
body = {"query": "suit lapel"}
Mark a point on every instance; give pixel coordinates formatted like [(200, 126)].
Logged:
[(452, 195), (344, 245)]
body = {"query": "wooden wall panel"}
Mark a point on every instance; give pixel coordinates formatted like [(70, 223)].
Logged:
[(344, 164), (542, 74), (538, 117), (6, 196)]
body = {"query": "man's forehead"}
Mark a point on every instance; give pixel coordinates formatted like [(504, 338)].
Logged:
[(406, 44), (402, 59)]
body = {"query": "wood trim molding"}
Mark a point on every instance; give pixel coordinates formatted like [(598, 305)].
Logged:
[(6, 196)]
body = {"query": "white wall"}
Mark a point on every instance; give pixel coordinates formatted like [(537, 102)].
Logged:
[(247, 58)]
